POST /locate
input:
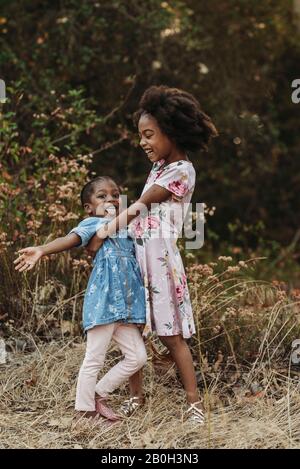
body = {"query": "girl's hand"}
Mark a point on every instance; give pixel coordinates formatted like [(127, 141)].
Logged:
[(28, 258), (94, 245), (102, 233)]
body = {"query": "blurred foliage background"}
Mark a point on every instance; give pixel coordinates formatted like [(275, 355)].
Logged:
[(74, 73)]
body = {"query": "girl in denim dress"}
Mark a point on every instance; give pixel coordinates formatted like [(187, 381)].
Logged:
[(114, 302), (115, 291)]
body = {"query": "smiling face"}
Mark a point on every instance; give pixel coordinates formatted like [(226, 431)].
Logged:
[(104, 199), (154, 142)]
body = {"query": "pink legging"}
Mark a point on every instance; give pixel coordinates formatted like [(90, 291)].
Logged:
[(130, 341)]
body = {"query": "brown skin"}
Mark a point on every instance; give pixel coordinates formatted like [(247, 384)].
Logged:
[(106, 193), (155, 143), (157, 146)]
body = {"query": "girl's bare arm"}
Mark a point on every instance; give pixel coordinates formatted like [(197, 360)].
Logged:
[(61, 244), (28, 257), (154, 195)]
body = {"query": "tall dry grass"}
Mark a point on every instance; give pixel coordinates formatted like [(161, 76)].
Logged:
[(242, 352), (37, 398)]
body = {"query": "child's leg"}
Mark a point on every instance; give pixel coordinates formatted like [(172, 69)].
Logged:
[(183, 358), (132, 346), (98, 340), (136, 380), (129, 406), (136, 385)]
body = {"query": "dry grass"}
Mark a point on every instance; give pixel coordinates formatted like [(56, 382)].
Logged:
[(37, 398), (242, 349)]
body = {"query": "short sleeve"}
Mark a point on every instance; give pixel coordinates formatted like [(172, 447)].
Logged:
[(177, 178), (87, 228)]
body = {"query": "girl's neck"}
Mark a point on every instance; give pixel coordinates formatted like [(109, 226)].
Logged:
[(176, 155)]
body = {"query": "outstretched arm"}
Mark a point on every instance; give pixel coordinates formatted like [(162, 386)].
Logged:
[(28, 257), (154, 195)]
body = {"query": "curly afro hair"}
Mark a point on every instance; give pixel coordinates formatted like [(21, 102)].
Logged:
[(179, 116)]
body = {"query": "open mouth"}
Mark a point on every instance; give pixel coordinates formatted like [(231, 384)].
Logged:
[(111, 210), (149, 153)]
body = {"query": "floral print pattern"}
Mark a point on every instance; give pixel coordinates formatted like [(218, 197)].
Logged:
[(168, 305)]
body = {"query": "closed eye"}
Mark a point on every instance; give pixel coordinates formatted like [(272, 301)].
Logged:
[(146, 135)]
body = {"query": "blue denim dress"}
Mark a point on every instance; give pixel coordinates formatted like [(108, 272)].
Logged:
[(115, 290)]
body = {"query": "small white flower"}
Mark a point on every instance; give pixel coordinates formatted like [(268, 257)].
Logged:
[(203, 69), (62, 20), (92, 289), (156, 64)]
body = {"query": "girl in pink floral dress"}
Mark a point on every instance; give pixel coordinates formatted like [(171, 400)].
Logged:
[(170, 124), (169, 310)]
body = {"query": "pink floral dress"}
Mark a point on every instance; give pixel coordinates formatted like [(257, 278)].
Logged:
[(168, 306)]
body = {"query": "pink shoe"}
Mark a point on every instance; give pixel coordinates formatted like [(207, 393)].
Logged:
[(103, 409)]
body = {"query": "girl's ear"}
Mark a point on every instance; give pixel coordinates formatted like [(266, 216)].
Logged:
[(87, 209)]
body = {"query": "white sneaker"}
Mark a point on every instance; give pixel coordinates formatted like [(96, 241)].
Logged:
[(130, 405), (194, 414)]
